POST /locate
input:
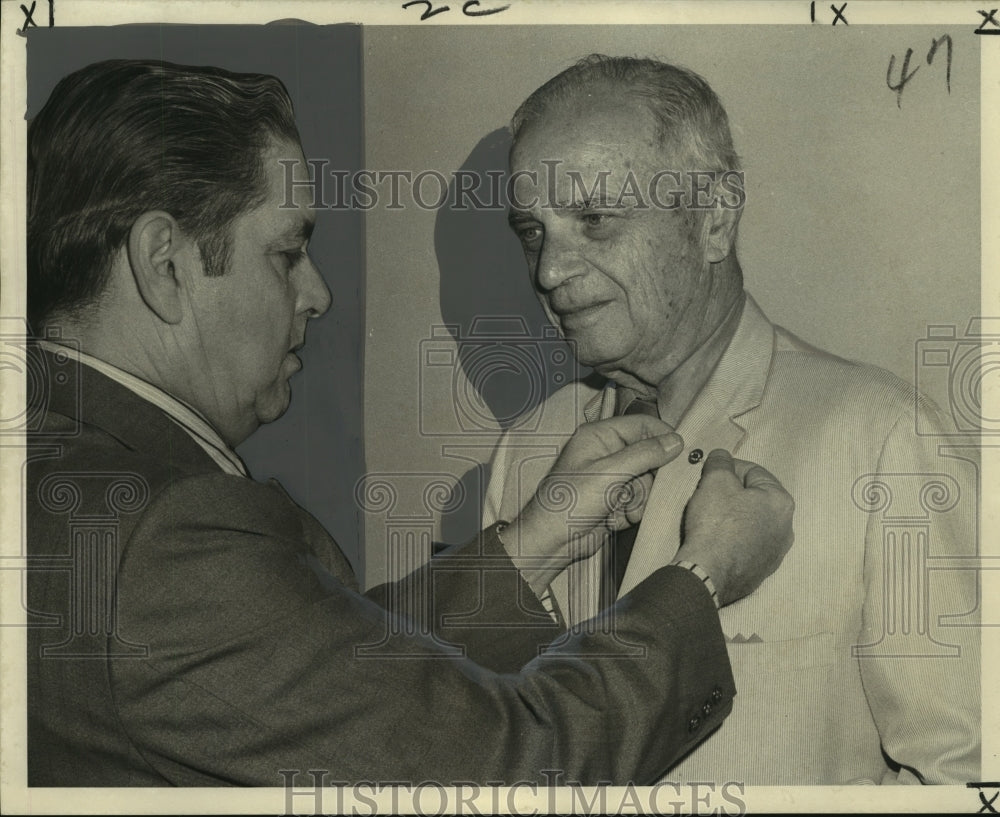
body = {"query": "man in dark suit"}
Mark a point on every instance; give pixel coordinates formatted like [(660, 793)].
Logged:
[(194, 627)]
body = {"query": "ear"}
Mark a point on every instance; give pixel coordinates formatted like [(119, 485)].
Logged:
[(155, 243), (720, 223)]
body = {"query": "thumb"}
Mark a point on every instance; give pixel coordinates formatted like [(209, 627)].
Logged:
[(755, 476), (629, 429), (644, 455), (718, 461)]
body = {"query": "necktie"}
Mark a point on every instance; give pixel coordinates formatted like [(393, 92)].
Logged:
[(622, 542)]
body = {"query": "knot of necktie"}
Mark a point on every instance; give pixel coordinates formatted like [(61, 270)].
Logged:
[(641, 406)]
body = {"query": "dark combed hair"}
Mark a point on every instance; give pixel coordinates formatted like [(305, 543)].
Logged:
[(691, 121), (123, 137)]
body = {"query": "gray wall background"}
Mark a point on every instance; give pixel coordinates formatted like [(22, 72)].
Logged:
[(861, 225)]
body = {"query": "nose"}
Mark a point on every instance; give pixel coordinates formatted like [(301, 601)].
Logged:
[(314, 295), (557, 262)]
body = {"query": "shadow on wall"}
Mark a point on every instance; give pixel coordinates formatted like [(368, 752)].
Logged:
[(512, 358)]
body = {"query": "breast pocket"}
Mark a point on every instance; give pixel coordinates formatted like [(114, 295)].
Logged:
[(807, 652)]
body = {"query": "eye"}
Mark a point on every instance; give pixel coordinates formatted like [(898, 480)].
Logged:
[(292, 258), (596, 219), (530, 236)]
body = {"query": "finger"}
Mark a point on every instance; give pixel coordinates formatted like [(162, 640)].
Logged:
[(641, 487), (626, 501), (617, 521), (628, 429), (625, 492), (719, 461), (634, 513), (753, 475), (645, 455)]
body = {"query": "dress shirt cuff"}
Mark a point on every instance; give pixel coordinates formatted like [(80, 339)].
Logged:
[(701, 574), (542, 592)]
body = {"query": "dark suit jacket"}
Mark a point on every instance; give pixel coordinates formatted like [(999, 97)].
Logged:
[(189, 627)]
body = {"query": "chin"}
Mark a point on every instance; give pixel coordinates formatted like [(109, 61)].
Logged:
[(276, 405), (598, 359)]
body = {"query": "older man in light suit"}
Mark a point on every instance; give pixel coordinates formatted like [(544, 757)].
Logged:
[(857, 661)]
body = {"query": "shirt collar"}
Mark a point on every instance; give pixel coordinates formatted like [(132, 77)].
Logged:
[(187, 417), (677, 391)]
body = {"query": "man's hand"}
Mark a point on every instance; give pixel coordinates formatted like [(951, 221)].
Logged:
[(600, 482), (737, 525)]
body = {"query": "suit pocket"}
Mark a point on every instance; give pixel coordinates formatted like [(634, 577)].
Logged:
[(808, 652)]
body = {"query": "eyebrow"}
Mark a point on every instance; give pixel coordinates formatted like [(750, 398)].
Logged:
[(515, 217), (301, 230), (603, 202), (597, 201)]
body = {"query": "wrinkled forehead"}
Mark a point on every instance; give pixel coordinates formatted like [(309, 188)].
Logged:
[(571, 148)]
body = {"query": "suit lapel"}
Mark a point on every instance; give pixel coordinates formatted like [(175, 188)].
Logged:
[(716, 419)]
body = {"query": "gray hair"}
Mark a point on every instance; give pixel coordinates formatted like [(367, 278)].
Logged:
[(690, 118)]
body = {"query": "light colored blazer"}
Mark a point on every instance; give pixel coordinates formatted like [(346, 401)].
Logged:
[(866, 639)]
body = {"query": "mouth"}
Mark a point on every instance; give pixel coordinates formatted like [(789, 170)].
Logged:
[(292, 355), (292, 364), (575, 314)]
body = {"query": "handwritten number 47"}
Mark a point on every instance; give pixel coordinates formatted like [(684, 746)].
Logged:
[(906, 74), (469, 9)]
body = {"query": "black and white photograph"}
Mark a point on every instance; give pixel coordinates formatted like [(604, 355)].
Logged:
[(496, 407)]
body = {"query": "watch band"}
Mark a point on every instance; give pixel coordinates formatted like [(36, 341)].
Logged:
[(700, 572)]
